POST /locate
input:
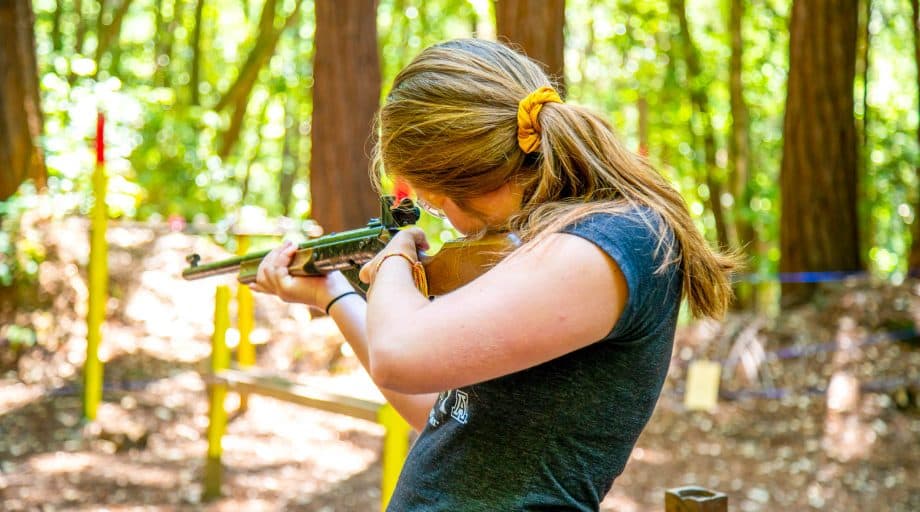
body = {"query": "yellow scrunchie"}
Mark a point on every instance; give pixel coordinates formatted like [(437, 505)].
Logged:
[(528, 123)]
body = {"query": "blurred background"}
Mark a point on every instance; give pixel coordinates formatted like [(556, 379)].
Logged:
[(790, 128)]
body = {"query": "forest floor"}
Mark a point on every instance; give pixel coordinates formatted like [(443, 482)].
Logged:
[(823, 414)]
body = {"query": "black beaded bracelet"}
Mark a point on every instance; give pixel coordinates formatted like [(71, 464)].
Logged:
[(333, 301)]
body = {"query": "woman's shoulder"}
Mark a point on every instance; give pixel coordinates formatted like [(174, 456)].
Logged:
[(624, 224), (637, 237), (622, 215)]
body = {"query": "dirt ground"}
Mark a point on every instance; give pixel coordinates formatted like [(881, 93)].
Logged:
[(819, 411)]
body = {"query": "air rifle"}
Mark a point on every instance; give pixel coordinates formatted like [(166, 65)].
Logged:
[(346, 251), (457, 263)]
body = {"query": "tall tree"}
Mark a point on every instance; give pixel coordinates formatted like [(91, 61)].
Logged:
[(346, 95), (536, 26), (107, 34), (699, 97), (20, 113), (739, 147), (194, 82), (237, 96), (818, 177), (914, 259)]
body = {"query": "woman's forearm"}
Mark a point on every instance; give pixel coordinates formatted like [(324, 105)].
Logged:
[(350, 314)]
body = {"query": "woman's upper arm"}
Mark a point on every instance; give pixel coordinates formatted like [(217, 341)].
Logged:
[(560, 295)]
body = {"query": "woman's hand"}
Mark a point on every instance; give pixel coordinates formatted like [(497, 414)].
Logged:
[(273, 277), (408, 241)]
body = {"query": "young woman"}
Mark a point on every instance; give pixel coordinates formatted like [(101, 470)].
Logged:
[(531, 384)]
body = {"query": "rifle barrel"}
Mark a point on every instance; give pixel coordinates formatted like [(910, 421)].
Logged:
[(245, 264), (227, 266)]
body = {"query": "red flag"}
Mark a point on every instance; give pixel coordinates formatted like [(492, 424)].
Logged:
[(100, 138), (401, 190)]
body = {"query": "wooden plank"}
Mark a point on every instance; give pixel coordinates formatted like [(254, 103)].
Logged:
[(298, 393)]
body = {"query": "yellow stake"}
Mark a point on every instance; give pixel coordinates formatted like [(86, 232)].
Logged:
[(98, 281), (217, 415), (395, 449), (246, 354)]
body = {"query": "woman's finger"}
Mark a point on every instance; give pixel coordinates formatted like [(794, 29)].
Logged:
[(418, 236), (365, 273)]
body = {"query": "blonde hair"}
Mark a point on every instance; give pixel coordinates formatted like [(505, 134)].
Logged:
[(450, 125)]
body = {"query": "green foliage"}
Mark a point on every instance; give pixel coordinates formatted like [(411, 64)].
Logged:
[(20, 336), (890, 187), (20, 250), (165, 148)]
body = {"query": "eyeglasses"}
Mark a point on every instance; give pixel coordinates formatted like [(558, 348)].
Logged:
[(430, 209)]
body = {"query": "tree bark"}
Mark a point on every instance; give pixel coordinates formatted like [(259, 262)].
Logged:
[(914, 258), (818, 178), (56, 41), (196, 53), (700, 100), (346, 96), (108, 35), (80, 30), (867, 228), (260, 53), (536, 27), (740, 149), (20, 110), (238, 93), (290, 156)]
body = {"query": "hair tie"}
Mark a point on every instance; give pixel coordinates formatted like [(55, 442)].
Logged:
[(528, 109)]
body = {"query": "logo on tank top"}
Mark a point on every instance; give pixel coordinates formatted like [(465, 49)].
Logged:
[(454, 404)]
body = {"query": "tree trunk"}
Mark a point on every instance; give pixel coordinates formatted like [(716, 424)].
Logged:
[(914, 259), (289, 157), (867, 228), (818, 178), (740, 150), (107, 36), (20, 110), (256, 151), (56, 41), (346, 96), (80, 30), (238, 93), (536, 26), (196, 53), (259, 54), (700, 100)]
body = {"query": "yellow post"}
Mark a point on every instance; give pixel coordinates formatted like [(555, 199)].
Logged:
[(246, 354), (217, 415), (98, 282), (395, 449)]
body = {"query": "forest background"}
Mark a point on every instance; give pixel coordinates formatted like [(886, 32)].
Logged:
[(790, 128), (210, 112)]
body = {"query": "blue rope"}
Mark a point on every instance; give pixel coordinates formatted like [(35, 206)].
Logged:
[(829, 276)]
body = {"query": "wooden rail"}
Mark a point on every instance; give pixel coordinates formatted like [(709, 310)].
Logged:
[(249, 380)]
